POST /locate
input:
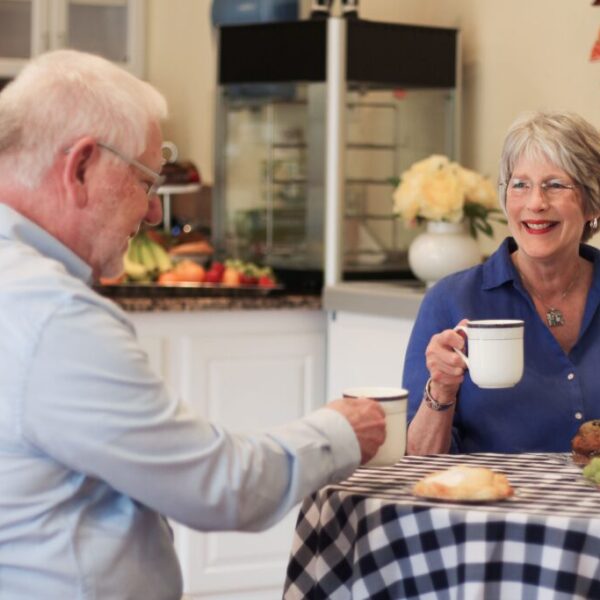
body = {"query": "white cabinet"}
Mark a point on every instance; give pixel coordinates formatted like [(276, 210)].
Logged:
[(246, 370), (111, 28), (365, 349)]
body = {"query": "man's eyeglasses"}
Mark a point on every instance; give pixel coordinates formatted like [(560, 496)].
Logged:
[(158, 179), (553, 188)]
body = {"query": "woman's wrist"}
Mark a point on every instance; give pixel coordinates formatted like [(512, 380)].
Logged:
[(435, 400)]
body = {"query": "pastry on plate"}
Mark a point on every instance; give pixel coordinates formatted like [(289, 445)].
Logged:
[(464, 483), (586, 443)]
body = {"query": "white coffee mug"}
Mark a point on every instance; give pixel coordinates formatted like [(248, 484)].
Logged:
[(495, 352), (394, 403)]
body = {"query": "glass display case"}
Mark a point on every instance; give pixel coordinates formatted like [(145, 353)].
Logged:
[(275, 180)]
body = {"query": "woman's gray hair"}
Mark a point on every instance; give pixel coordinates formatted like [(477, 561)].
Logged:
[(566, 140), (64, 95)]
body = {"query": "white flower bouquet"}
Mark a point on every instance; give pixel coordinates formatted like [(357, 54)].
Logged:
[(437, 189)]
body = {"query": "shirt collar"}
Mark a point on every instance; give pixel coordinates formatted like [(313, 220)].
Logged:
[(14, 226), (499, 268)]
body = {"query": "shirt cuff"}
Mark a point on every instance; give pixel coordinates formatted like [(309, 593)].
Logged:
[(322, 449), (345, 450)]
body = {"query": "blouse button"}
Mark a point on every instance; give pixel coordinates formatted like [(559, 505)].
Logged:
[(571, 376), (578, 416)]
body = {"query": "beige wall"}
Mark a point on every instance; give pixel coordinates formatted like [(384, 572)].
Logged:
[(517, 55), (180, 61)]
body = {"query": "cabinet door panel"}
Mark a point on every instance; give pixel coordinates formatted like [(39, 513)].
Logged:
[(258, 392), (100, 28), (15, 28), (247, 382), (365, 350)]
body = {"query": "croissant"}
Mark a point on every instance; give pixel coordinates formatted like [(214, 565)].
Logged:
[(462, 482)]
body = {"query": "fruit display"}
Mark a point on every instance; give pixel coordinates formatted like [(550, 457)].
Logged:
[(146, 261), (231, 273)]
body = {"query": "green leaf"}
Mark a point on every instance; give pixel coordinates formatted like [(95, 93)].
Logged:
[(484, 227), (472, 229)]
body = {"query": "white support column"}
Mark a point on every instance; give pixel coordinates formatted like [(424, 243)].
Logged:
[(334, 148)]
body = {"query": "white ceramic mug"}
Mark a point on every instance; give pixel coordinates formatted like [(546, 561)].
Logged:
[(394, 403), (495, 352)]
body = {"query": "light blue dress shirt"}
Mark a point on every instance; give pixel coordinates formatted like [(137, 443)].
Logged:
[(93, 450), (558, 391)]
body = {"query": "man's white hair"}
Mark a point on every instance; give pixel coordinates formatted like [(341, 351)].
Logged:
[(64, 95)]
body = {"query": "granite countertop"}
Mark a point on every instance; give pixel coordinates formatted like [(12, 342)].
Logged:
[(392, 299), (180, 302)]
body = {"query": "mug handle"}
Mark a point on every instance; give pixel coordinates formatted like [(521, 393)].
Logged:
[(464, 357)]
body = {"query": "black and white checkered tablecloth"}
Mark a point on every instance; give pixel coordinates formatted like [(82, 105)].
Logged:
[(370, 538)]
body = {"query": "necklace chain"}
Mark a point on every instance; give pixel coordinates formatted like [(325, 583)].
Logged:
[(554, 316)]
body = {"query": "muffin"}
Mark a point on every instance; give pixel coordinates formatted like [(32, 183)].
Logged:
[(586, 443)]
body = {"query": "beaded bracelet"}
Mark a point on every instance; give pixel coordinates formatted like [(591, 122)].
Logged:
[(431, 402)]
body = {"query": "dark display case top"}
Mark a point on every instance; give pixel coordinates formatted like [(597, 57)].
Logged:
[(377, 53)]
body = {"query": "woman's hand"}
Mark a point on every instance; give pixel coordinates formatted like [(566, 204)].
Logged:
[(430, 431), (445, 366)]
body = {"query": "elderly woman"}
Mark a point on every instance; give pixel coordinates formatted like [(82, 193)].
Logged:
[(544, 275)]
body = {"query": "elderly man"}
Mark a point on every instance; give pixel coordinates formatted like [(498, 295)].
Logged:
[(93, 450)]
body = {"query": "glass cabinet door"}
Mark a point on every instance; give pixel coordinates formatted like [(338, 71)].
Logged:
[(111, 28), (100, 27), (16, 28), (23, 33)]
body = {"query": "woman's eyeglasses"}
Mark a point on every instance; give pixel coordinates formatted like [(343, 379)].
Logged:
[(553, 188)]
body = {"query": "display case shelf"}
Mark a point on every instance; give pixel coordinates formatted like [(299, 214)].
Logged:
[(370, 217), (369, 181), (179, 188), (174, 189), (357, 146), (289, 145)]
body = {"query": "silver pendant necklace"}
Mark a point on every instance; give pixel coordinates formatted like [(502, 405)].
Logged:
[(554, 316)]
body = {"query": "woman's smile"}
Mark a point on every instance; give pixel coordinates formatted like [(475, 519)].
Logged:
[(539, 227)]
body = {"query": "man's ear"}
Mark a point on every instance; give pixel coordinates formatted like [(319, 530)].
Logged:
[(75, 173)]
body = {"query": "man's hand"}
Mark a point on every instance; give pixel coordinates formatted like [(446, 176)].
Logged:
[(367, 419)]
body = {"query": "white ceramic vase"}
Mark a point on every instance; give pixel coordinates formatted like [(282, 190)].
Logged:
[(442, 249)]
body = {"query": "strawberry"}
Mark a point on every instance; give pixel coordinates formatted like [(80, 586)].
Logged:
[(217, 267), (212, 276), (246, 279), (266, 281)]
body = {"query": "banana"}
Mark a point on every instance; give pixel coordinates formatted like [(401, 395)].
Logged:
[(145, 259), (134, 251), (147, 256), (162, 258), (133, 269)]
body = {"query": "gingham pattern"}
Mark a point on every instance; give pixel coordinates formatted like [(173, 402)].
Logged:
[(370, 538)]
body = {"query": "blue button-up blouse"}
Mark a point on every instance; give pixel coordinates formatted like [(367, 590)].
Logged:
[(558, 391)]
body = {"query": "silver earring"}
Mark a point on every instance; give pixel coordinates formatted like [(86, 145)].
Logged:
[(594, 224)]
